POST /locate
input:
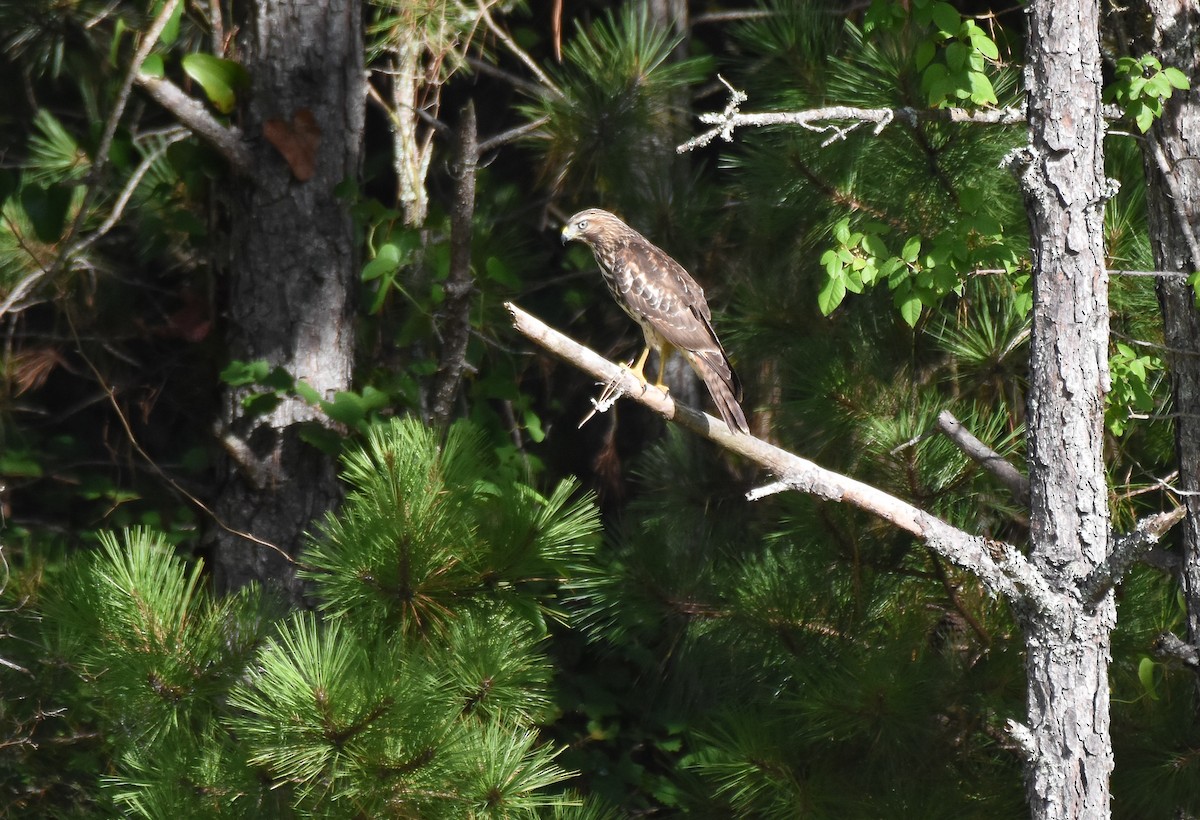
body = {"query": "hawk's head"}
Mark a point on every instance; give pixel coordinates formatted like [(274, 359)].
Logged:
[(593, 227)]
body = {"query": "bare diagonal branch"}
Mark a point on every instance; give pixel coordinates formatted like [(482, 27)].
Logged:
[(986, 457), (1001, 567)]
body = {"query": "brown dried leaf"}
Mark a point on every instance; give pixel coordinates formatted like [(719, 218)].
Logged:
[(297, 141)]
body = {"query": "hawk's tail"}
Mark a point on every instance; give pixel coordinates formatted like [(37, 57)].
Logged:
[(724, 386)]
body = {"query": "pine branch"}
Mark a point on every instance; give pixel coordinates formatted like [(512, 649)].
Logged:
[(1001, 567), (984, 456), (1127, 549)]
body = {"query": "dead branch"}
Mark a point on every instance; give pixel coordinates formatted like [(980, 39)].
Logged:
[(822, 120), (459, 283), (1002, 568), (985, 457)]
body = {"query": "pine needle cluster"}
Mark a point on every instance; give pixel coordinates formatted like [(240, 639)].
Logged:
[(417, 691)]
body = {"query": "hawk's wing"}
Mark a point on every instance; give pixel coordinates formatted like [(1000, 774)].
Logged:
[(662, 293), (656, 290)]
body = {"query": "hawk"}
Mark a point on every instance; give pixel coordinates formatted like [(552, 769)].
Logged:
[(665, 301)]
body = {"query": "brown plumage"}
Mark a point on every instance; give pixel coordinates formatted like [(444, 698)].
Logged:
[(665, 301)]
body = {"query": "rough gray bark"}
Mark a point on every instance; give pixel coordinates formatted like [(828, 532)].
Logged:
[(291, 278), (456, 309), (1067, 643), (1170, 149)]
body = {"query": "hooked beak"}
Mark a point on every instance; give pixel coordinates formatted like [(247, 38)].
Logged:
[(568, 233)]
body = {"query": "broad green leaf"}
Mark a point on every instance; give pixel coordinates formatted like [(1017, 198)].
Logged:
[(831, 295), (385, 262), (114, 48), (985, 45), (1144, 118), (154, 66), (1158, 86), (982, 92), (925, 54), (1146, 676), (533, 426), (220, 79), (239, 373), (956, 56), (346, 407), (307, 392), (1194, 280), (909, 304), (497, 270), (874, 245), (1176, 78), (831, 262), (911, 249), (946, 18), (170, 32), (841, 231)]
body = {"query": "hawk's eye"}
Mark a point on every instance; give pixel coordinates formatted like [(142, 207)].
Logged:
[(582, 225)]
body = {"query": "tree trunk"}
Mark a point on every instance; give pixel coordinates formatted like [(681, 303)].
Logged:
[(1173, 200), (1067, 644), (292, 276)]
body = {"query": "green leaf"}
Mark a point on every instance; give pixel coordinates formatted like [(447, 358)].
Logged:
[(170, 32), (831, 295), (841, 231), (925, 54), (956, 56), (1158, 86), (1176, 78), (220, 79), (533, 426), (385, 262), (982, 92), (911, 250), (946, 18), (1194, 280), (874, 245), (985, 45), (1144, 117), (239, 373), (831, 262), (1146, 676), (307, 392), (346, 407), (909, 303)]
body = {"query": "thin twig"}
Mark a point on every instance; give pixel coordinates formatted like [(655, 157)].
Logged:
[(175, 485), (504, 37), (100, 161), (131, 185)]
